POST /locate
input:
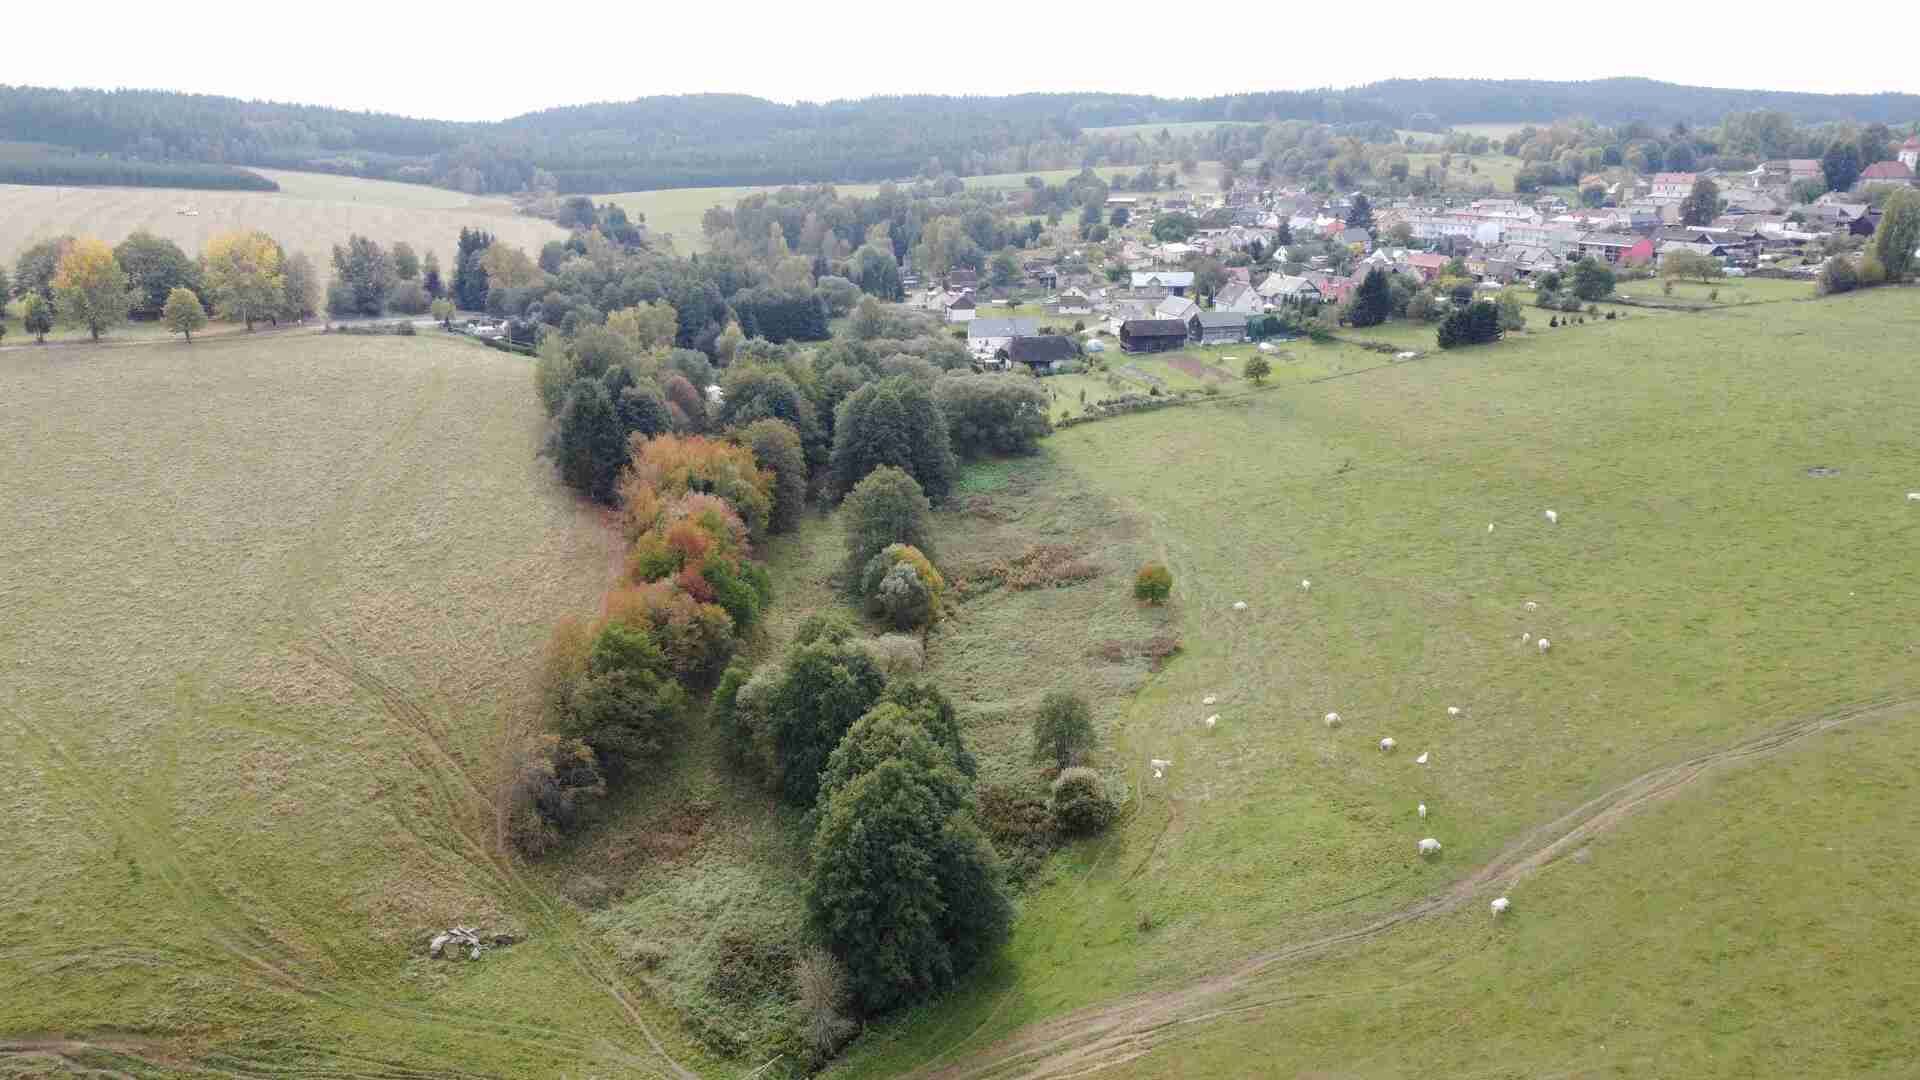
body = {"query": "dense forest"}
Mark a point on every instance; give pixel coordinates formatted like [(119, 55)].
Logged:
[(29, 163), (722, 139)]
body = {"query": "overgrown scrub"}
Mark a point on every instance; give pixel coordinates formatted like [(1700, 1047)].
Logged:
[(1155, 650), (1044, 566), (993, 414)]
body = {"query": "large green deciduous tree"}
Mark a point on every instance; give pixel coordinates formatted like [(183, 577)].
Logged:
[(892, 422), (90, 289), (886, 508), (1702, 204), (183, 313), (155, 267)]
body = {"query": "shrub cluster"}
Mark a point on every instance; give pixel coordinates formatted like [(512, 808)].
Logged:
[(902, 587)]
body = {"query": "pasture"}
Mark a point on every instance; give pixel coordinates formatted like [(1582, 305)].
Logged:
[(310, 213), (1729, 591), (266, 607), (1470, 170)]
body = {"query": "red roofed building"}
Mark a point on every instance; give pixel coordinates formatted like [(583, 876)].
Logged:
[(1428, 266), (1887, 172)]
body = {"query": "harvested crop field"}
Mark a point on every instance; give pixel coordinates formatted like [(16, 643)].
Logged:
[(265, 608)]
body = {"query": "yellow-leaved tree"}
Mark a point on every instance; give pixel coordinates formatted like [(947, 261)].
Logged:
[(90, 289), (244, 273), (646, 326), (508, 267)]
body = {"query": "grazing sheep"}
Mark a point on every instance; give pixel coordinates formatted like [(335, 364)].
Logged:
[(1545, 644), (1489, 526), (1160, 767), (1387, 745), (1422, 759), (1239, 605), (1212, 720), (1525, 637), (1208, 700), (1422, 809), (1913, 496), (1500, 905), (1453, 710), (1531, 606), (1553, 518), (1333, 719), (1305, 585), (1429, 846)]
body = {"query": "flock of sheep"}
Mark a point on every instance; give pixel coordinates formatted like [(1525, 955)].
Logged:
[(1428, 845)]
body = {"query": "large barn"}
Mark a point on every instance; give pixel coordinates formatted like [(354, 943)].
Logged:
[(1152, 335)]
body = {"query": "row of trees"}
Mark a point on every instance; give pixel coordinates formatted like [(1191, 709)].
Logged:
[(244, 276)]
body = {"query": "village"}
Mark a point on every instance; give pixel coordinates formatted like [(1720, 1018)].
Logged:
[(1301, 255)]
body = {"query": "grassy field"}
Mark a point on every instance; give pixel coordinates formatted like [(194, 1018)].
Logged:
[(264, 610), (1709, 583), (310, 213), (1470, 169)]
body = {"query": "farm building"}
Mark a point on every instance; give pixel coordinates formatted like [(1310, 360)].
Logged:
[(1217, 328), (961, 308), (1042, 354), (1072, 301), (1152, 335)]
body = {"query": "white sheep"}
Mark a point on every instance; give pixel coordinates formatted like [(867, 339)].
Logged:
[(1453, 710), (1422, 809), (1489, 526), (1212, 720), (1333, 719), (1305, 585), (1239, 605), (1208, 700), (1387, 745), (1525, 636), (1553, 518), (1500, 905), (1531, 606), (1429, 846), (1160, 767), (1545, 644), (1422, 759), (1913, 496)]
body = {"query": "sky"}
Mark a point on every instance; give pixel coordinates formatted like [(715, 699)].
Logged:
[(487, 62)]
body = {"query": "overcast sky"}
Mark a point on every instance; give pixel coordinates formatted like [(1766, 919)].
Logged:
[(481, 62)]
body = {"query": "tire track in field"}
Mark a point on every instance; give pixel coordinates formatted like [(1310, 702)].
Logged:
[(1108, 1035)]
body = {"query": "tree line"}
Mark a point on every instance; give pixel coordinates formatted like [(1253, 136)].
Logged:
[(721, 139), (244, 276), (28, 164)]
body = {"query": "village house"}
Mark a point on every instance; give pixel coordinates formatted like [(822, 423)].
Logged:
[(986, 336), (959, 280), (1672, 185), (1287, 289), (1616, 249), (1217, 328), (1177, 282), (958, 307), (1121, 312), (1152, 335), (1072, 301), (1427, 264), (1239, 298), (1042, 354)]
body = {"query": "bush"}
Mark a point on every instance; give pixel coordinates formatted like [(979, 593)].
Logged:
[(885, 508), (1838, 276), (901, 586), (820, 998), (1080, 803), (997, 414), (625, 703), (1153, 584), (1062, 729), (896, 654), (554, 783)]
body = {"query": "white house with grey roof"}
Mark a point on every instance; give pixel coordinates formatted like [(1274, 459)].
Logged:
[(986, 336)]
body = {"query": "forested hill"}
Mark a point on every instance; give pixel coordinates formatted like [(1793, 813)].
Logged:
[(719, 139)]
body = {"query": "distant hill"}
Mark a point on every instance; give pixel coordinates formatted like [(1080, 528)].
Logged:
[(725, 139)]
